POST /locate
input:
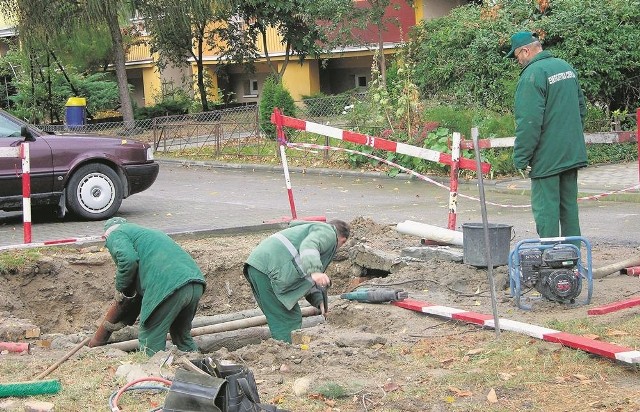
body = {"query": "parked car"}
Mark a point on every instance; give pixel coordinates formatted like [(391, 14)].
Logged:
[(87, 175)]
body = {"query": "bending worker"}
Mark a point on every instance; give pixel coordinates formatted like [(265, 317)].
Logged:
[(289, 265), (150, 264)]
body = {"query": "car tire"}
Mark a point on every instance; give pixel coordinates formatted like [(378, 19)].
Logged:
[(94, 192)]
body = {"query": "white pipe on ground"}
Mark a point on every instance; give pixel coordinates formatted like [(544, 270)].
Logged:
[(439, 234)]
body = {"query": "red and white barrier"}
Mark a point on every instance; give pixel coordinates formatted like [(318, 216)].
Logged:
[(605, 349), (376, 142), (53, 242), (615, 306), (454, 160), (22, 152), (26, 191)]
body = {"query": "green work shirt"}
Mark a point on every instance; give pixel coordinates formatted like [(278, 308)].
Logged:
[(152, 263), (316, 244), (549, 112)]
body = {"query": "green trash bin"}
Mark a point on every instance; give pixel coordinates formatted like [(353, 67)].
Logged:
[(76, 111)]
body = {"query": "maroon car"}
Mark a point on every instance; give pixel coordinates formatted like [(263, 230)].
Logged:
[(87, 175)]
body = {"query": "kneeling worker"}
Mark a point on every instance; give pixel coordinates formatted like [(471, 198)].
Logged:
[(287, 265), (150, 264)]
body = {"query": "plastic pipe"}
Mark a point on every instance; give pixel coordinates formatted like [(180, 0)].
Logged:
[(16, 347), (409, 227)]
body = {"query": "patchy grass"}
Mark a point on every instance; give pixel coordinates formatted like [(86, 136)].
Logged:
[(17, 260)]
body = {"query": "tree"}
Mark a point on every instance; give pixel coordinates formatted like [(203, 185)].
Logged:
[(303, 26), (42, 21), (179, 30), (106, 11)]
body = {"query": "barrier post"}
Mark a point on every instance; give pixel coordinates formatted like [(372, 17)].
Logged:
[(283, 155), (453, 184), (638, 139), (26, 191)]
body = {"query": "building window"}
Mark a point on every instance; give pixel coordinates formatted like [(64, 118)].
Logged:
[(251, 88), (361, 81)]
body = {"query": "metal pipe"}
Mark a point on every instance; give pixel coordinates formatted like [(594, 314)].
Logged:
[(131, 345), (485, 224)]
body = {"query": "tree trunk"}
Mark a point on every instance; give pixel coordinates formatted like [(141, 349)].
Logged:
[(126, 108), (201, 88)]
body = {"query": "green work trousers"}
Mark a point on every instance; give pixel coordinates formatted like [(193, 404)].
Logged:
[(280, 319), (174, 316), (554, 202)]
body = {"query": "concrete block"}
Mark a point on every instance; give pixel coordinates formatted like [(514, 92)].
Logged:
[(38, 406), (453, 254)]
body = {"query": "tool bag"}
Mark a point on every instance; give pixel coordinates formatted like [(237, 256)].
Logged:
[(225, 388)]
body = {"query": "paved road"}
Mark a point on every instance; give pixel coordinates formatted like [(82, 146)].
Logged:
[(201, 198)]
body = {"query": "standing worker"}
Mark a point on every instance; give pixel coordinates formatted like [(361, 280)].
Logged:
[(291, 264), (549, 112), (150, 264)]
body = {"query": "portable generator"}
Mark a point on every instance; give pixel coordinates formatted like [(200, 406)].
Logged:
[(551, 266)]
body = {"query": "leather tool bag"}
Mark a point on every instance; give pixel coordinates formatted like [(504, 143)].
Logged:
[(228, 388)]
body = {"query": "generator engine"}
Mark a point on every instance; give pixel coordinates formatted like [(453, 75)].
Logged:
[(553, 272)]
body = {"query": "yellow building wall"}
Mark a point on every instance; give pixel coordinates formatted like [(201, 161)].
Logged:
[(302, 79), (151, 84)]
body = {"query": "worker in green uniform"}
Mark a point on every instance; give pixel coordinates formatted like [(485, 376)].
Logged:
[(150, 264), (549, 112), (289, 265)]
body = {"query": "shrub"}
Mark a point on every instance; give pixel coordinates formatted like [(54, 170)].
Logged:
[(274, 94), (460, 57)]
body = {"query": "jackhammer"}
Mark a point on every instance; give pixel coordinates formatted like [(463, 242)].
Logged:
[(376, 295)]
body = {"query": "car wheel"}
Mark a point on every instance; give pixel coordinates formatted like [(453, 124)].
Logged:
[(94, 192)]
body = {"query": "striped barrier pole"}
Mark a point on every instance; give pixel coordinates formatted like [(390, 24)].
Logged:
[(26, 191), (282, 142), (638, 139), (596, 347), (376, 142), (453, 186), (52, 243)]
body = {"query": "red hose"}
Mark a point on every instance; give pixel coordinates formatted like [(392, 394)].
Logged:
[(134, 382)]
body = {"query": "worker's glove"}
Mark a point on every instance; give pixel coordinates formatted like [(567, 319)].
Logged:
[(119, 296), (525, 172), (318, 297)]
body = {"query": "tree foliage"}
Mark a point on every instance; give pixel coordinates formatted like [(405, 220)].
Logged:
[(45, 24), (460, 57), (179, 30), (303, 26)]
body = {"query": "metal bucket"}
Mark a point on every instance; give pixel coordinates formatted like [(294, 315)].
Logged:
[(473, 245)]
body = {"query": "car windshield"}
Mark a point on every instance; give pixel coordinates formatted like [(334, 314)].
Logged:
[(9, 128)]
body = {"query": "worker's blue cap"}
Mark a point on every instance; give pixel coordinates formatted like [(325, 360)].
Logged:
[(519, 39)]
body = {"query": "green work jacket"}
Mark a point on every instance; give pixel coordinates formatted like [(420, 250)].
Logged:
[(316, 244), (152, 263), (549, 112)]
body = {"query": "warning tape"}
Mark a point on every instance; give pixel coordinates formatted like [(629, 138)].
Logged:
[(298, 146), (404, 169)]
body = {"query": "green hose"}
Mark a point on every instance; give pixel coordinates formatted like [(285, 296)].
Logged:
[(22, 389)]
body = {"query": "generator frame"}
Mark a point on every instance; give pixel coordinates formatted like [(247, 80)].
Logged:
[(515, 271)]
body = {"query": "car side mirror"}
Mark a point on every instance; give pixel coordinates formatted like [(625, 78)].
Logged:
[(26, 133)]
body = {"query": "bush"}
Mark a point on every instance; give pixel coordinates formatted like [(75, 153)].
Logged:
[(459, 58), (274, 94), (164, 108)]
